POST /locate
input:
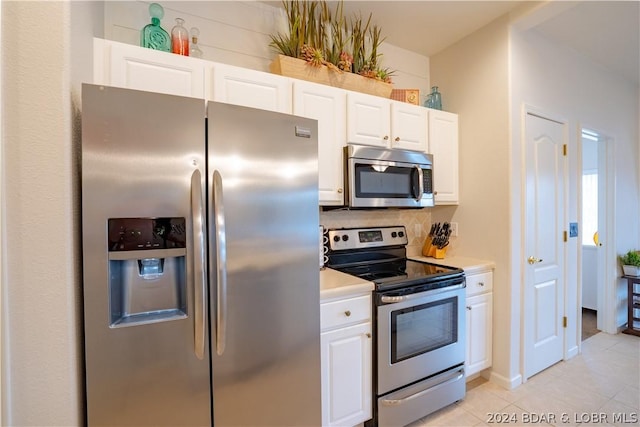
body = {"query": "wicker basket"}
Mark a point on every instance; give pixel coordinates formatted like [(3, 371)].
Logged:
[(300, 69)]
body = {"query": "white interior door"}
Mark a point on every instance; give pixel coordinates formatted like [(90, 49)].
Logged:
[(604, 238), (589, 224), (543, 244), (596, 235)]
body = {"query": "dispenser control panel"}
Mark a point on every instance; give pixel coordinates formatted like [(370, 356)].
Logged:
[(134, 234)]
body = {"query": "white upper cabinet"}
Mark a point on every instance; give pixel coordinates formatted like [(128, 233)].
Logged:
[(135, 67), (443, 144), (250, 88), (368, 119), (382, 122), (408, 126), (327, 105)]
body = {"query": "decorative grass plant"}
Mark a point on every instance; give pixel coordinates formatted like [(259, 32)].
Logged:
[(323, 38)]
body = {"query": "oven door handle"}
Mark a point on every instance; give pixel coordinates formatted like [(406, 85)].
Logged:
[(402, 298), (397, 402), (420, 182)]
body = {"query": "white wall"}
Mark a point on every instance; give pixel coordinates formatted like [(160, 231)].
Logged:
[(2, 279), (42, 340), (559, 81), (41, 327)]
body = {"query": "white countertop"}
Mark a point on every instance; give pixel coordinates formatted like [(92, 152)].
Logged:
[(469, 265), (335, 284)]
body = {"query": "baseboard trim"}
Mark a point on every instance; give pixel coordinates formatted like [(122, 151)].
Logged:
[(572, 352), (504, 382)]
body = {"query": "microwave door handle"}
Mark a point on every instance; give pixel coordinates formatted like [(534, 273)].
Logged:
[(221, 263), (199, 264), (420, 182)]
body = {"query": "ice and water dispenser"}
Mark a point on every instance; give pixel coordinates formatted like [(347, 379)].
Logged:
[(147, 270)]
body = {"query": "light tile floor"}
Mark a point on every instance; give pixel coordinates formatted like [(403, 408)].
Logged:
[(599, 387)]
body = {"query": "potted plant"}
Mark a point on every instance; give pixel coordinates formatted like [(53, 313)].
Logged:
[(327, 48), (631, 263)]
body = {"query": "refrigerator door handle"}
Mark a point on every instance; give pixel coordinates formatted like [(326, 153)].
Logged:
[(199, 263), (221, 263)]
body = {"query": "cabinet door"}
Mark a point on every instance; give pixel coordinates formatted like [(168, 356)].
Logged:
[(443, 144), (368, 119), (250, 88), (135, 67), (408, 126), (479, 332), (328, 106), (346, 375)]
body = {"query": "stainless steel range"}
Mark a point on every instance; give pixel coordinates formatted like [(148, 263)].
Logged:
[(419, 323)]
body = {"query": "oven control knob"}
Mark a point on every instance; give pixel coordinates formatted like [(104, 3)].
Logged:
[(394, 234), (345, 237), (336, 238), (401, 233)]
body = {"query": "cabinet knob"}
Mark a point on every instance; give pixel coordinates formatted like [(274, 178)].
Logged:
[(347, 313), (386, 137), (480, 283), (469, 308), (339, 190), (368, 335), (397, 139)]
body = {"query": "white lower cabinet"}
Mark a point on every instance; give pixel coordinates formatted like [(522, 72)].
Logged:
[(479, 322), (346, 361)]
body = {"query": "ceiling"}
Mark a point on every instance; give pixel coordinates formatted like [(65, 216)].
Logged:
[(605, 31)]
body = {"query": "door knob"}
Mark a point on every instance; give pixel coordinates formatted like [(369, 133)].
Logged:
[(532, 260)]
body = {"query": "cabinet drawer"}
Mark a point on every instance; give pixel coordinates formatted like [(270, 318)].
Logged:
[(479, 283), (345, 312)]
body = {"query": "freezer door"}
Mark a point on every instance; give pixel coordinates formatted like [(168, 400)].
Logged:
[(263, 211), (146, 343)]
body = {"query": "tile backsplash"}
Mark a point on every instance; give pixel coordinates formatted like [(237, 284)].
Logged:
[(416, 221)]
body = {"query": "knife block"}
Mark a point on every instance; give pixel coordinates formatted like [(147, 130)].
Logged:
[(440, 253), (432, 251), (428, 249)]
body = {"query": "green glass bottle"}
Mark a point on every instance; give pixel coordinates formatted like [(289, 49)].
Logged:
[(153, 35), (436, 98)]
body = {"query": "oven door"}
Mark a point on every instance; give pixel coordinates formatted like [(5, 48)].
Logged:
[(381, 183), (419, 335)]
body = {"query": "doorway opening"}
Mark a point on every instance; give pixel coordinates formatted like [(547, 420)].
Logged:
[(594, 231)]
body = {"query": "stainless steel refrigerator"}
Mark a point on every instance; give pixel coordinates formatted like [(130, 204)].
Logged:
[(200, 262)]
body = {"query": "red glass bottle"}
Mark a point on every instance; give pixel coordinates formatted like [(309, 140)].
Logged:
[(180, 38)]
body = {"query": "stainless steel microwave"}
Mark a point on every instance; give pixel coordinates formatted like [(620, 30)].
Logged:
[(381, 178)]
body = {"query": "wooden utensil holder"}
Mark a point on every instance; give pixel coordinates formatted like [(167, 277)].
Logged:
[(432, 251), (440, 253)]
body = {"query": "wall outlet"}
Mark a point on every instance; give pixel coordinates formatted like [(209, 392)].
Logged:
[(454, 229)]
